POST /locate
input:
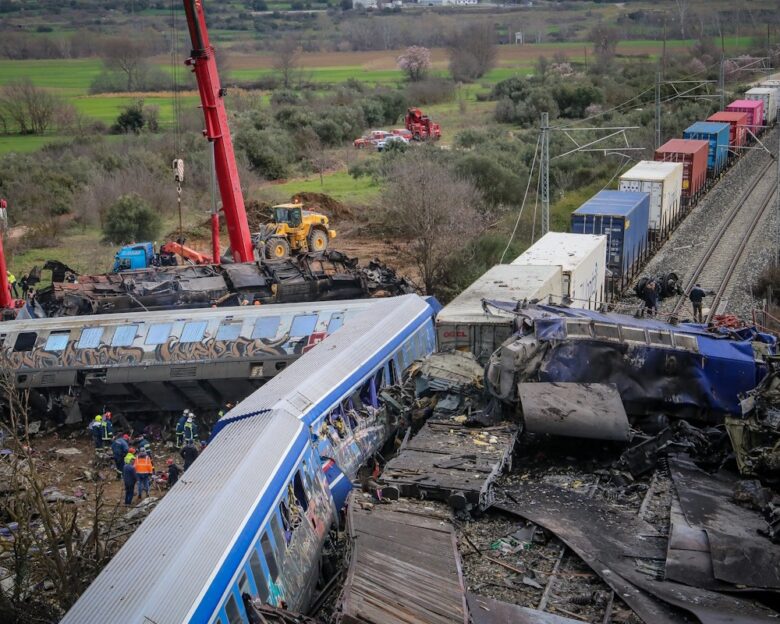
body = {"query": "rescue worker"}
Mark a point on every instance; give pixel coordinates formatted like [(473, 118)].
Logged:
[(650, 297), (180, 428), (144, 469), (120, 446), (142, 444), (173, 473), (696, 296), (189, 454), (129, 477), (107, 429), (96, 429), (130, 455), (190, 431), (12, 287)]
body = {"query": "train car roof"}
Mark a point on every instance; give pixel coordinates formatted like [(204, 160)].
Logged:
[(336, 364), (186, 314), (183, 555)]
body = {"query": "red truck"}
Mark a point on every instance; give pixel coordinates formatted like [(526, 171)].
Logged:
[(421, 126)]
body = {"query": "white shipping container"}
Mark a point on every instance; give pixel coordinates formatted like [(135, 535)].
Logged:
[(582, 258), (464, 325), (767, 95), (663, 181)]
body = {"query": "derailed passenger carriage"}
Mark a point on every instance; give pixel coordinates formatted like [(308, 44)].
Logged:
[(197, 359), (657, 367), (249, 519)]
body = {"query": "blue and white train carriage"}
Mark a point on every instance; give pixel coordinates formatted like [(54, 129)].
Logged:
[(250, 517)]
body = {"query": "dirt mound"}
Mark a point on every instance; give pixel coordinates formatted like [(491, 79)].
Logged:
[(320, 202), (258, 213)]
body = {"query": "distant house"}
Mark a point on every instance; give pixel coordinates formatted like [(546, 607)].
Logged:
[(366, 4)]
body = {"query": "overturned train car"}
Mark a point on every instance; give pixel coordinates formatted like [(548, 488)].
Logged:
[(271, 480), (683, 370), (162, 361)]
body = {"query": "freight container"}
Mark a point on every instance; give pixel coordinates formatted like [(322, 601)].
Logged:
[(582, 261), (466, 326), (738, 128), (768, 96), (773, 84), (623, 218), (718, 136), (663, 181), (755, 111), (693, 156)]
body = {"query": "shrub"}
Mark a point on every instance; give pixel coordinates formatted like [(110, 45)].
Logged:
[(130, 219), (430, 91), (269, 152)]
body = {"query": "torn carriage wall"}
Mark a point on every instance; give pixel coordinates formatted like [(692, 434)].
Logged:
[(682, 369), (324, 276)]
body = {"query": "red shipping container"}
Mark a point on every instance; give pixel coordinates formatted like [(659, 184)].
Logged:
[(693, 155), (754, 109), (738, 121)]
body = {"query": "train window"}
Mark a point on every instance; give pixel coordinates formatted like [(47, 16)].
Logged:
[(25, 341), (686, 341), (232, 612), (259, 576), (633, 334), (219, 621), (229, 331), (300, 493), (578, 329), (57, 342), (193, 332), (243, 585), (303, 325), (392, 373), (266, 327), (658, 337), (90, 338), (281, 535), (124, 336), (606, 331), (336, 321), (270, 558), (158, 333)]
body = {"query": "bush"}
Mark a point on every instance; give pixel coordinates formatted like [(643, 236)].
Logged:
[(131, 219), (430, 91), (269, 152)]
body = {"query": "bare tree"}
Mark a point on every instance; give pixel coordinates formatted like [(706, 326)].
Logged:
[(287, 59), (472, 51), (128, 56), (434, 211), (415, 62), (31, 108), (605, 39), (682, 13)]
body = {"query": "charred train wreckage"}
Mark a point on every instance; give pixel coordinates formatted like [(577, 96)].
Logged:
[(323, 276)]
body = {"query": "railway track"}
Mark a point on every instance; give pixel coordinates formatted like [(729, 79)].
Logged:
[(723, 253)]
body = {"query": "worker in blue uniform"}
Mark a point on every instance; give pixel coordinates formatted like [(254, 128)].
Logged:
[(129, 477)]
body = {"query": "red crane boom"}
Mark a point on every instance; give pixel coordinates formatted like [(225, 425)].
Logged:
[(204, 65)]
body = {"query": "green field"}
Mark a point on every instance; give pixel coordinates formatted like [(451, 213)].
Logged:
[(107, 107), (66, 76), (338, 184)]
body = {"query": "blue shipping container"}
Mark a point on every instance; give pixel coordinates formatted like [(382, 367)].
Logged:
[(718, 136), (624, 218)]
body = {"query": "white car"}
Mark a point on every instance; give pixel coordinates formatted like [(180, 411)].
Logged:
[(381, 145)]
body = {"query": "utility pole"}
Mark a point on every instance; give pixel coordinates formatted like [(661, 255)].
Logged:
[(722, 83), (658, 110), (777, 211), (545, 173)]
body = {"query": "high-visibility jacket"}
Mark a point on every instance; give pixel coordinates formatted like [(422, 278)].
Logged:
[(143, 465), (190, 431), (11, 278), (107, 429), (129, 457)]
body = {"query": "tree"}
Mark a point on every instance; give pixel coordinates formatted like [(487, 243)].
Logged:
[(415, 62), (605, 39), (288, 59), (682, 12), (31, 108), (434, 211), (129, 219), (472, 52), (128, 56)]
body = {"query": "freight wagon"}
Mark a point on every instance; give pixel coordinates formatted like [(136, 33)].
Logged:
[(693, 156), (773, 84), (623, 218), (582, 261), (768, 97), (466, 325), (755, 111), (717, 134), (663, 182), (737, 128)]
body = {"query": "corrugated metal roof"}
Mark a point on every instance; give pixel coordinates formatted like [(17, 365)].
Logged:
[(616, 203), (562, 249), (713, 127), (653, 170), (330, 362), (684, 146), (746, 103), (159, 573), (507, 282)]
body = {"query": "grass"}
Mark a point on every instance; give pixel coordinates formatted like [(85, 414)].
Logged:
[(66, 76), (107, 107), (338, 184), (25, 143)]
